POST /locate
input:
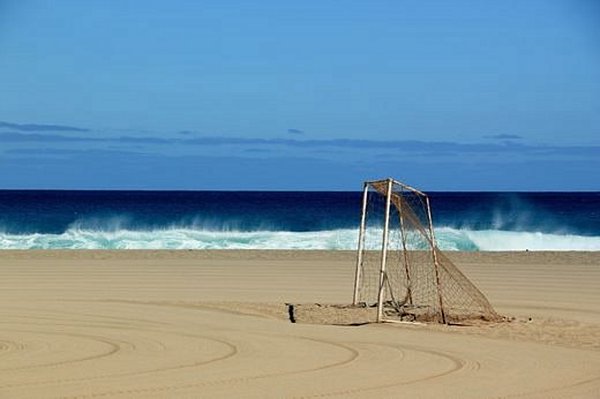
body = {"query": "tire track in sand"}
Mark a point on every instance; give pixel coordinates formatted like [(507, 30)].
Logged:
[(116, 346), (354, 354), (456, 365)]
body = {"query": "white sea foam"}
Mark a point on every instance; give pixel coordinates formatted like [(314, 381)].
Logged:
[(500, 240), (186, 238)]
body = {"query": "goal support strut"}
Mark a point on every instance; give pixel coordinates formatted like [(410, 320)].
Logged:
[(361, 243), (384, 244)]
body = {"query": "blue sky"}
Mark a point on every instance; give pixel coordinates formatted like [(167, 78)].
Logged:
[(460, 95)]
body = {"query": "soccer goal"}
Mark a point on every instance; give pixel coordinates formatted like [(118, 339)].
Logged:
[(399, 268)]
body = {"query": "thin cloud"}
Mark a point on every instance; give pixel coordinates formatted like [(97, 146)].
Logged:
[(34, 127), (45, 138), (143, 140), (403, 147), (295, 131), (69, 152), (504, 137), (57, 138), (257, 150)]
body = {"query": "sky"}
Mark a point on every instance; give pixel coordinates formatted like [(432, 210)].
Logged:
[(305, 95)]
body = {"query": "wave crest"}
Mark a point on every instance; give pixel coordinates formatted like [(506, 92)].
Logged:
[(340, 239)]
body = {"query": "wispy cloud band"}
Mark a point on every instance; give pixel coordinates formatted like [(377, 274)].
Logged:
[(405, 146), (34, 127)]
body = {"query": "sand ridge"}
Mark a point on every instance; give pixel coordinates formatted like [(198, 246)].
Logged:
[(189, 324)]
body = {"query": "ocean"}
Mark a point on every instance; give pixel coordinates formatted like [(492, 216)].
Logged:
[(473, 221)]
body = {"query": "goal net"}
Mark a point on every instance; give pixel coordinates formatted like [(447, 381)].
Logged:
[(399, 267)]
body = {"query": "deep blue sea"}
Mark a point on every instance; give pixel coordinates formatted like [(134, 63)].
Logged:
[(284, 220)]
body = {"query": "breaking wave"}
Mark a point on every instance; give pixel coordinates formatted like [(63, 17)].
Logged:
[(338, 239)]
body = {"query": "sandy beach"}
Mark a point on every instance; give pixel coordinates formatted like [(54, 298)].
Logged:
[(195, 324)]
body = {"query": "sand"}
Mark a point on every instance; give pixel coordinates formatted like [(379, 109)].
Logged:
[(194, 324)]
